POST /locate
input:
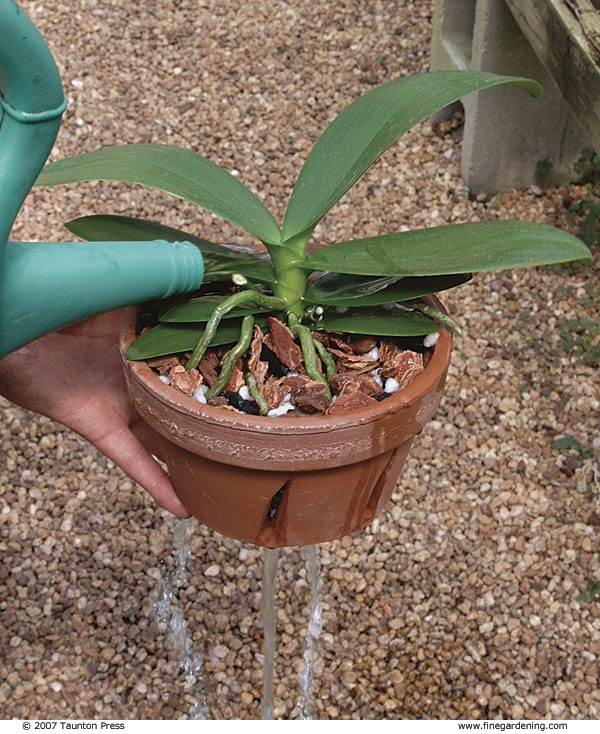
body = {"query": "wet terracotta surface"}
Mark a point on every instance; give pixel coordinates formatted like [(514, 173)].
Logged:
[(289, 480)]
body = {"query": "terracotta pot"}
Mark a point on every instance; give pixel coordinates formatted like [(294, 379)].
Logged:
[(289, 480)]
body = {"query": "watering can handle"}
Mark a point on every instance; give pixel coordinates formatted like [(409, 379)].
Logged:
[(32, 102)]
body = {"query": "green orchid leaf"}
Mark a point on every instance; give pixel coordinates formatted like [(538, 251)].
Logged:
[(116, 228), (200, 310), (336, 289), (175, 171), (174, 338), (455, 248), (165, 339), (381, 322), (368, 127), (219, 260)]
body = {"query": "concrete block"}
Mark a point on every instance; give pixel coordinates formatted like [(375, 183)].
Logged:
[(452, 39), (507, 134)]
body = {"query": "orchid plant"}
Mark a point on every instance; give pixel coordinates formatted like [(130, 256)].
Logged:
[(372, 286)]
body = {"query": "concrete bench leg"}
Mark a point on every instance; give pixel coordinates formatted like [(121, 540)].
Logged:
[(507, 134)]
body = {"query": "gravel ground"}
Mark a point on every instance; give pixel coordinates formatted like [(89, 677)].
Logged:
[(460, 601)]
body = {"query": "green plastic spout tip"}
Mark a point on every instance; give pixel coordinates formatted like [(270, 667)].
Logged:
[(44, 286)]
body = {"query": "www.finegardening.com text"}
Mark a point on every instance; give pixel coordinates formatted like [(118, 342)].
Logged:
[(513, 725)]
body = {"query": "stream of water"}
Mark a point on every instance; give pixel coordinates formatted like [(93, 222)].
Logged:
[(313, 633), (269, 616), (306, 705), (171, 622)]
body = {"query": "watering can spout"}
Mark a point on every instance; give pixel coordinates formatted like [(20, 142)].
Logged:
[(44, 286)]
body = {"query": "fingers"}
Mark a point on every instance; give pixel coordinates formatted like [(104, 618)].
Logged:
[(126, 450), (146, 435)]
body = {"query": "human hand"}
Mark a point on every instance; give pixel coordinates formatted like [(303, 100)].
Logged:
[(75, 376)]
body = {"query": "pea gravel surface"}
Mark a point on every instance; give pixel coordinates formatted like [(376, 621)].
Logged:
[(461, 600)]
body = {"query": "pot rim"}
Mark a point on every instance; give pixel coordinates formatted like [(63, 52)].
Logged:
[(284, 425)]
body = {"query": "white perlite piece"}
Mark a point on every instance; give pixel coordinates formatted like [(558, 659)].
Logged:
[(281, 410), (244, 393), (373, 353), (431, 339), (200, 394), (165, 378), (391, 385)]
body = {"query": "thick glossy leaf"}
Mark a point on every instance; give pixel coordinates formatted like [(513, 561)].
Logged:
[(394, 322), (200, 309), (219, 260), (336, 289), (176, 171), (365, 129), (455, 248), (173, 338), (115, 228)]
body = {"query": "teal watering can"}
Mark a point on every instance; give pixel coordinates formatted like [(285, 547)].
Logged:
[(44, 286)]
